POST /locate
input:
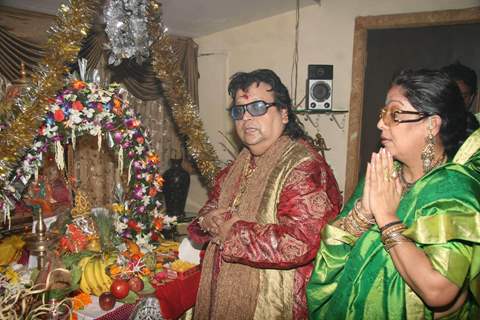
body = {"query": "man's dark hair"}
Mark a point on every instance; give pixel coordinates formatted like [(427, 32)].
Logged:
[(242, 80), (460, 72)]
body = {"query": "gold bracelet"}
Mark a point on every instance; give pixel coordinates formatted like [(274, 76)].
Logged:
[(353, 223), (349, 227), (366, 216), (392, 244), (393, 238), (361, 220), (395, 228)]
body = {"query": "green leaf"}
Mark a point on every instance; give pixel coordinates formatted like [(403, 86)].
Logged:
[(73, 259), (147, 287), (76, 273), (34, 275), (131, 298), (57, 294)]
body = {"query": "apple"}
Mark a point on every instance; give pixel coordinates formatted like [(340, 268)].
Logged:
[(135, 284), (107, 301), (119, 288)]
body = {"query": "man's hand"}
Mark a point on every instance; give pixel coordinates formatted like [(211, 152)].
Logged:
[(212, 221), (225, 228)]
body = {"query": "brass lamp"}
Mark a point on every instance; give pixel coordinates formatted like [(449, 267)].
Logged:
[(40, 241)]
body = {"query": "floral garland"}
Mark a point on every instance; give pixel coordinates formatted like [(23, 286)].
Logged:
[(85, 108), (73, 22), (185, 114), (64, 42)]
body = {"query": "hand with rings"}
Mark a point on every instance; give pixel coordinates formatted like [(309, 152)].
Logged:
[(212, 221), (382, 187)]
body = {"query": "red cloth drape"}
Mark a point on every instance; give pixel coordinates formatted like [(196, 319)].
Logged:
[(178, 296)]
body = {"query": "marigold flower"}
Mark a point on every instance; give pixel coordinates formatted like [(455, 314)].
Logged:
[(153, 157), (158, 223), (78, 85), (81, 300), (152, 192)]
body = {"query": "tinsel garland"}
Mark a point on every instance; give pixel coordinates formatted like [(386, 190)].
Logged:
[(65, 36), (185, 114)]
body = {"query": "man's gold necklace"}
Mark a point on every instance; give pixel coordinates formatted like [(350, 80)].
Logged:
[(248, 170)]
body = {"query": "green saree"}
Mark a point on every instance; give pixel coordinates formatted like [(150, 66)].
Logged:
[(355, 278)]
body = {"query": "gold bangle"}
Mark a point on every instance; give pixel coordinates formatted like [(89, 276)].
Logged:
[(352, 227), (394, 228), (393, 238), (368, 216), (394, 243), (361, 219)]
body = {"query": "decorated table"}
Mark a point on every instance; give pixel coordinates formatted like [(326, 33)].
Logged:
[(115, 254), (175, 299), (94, 260)]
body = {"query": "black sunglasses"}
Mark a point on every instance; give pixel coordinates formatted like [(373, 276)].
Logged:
[(255, 109)]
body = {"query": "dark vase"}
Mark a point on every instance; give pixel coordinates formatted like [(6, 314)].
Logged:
[(175, 188)]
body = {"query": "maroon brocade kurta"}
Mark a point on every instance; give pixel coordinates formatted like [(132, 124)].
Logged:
[(308, 200)]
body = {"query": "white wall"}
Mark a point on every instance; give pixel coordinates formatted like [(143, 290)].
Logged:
[(325, 37)]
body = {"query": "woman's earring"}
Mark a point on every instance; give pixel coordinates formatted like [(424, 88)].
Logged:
[(428, 153)]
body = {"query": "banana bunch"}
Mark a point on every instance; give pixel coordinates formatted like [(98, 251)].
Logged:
[(94, 279), (167, 246), (11, 249)]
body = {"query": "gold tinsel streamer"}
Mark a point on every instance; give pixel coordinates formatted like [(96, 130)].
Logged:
[(65, 36), (185, 114)]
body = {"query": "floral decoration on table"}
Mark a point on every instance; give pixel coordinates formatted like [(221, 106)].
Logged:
[(86, 108), (124, 262), (120, 263)]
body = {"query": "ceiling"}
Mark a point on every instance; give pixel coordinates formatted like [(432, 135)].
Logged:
[(194, 18)]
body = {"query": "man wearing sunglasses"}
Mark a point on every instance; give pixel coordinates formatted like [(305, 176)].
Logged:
[(263, 218)]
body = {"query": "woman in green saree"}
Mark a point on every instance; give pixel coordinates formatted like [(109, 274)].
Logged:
[(407, 244)]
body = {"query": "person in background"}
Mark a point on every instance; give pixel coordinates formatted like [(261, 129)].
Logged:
[(407, 243), (263, 218), (466, 79)]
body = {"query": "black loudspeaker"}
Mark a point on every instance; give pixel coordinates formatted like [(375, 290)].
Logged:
[(319, 87)]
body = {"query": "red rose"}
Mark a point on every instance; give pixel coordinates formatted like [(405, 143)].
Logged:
[(132, 224), (59, 115), (77, 105)]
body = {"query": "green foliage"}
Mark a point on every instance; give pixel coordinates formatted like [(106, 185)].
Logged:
[(69, 260), (131, 298), (76, 274), (34, 275), (147, 287), (108, 238)]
